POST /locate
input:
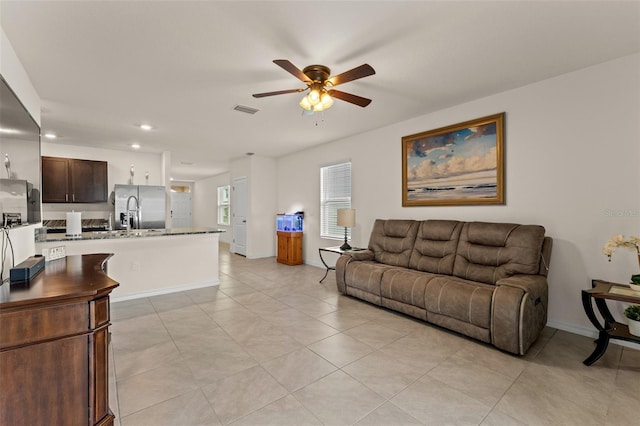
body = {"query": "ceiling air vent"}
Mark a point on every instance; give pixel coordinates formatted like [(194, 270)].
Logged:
[(248, 110)]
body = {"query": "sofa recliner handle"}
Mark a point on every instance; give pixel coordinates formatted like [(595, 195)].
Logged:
[(544, 262)]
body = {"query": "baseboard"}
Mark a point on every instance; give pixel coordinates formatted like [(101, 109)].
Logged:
[(316, 264), (166, 290), (588, 332)]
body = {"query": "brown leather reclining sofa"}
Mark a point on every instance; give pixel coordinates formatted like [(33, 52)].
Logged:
[(484, 280)]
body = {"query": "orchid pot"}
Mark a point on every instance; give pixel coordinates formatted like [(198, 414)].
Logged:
[(633, 318)]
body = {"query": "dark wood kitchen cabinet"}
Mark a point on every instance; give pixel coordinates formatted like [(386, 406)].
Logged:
[(55, 180), (70, 180), (54, 337)]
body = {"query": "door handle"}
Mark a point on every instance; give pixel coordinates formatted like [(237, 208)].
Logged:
[(244, 221)]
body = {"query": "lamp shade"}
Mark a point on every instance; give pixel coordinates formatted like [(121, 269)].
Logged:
[(347, 218)]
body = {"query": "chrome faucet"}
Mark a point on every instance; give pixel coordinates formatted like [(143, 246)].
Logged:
[(136, 211)]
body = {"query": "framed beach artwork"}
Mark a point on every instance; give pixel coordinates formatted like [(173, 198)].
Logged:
[(461, 164)]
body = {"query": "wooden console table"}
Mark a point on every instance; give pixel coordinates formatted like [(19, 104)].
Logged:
[(611, 329), (54, 345)]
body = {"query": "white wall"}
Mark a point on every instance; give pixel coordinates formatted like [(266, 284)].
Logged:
[(205, 204), (18, 79), (119, 164), (261, 177), (572, 152), (261, 229)]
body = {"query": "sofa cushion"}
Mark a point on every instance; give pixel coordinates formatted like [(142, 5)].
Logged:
[(366, 276), (405, 285), (392, 241), (488, 252), (435, 247), (463, 300)]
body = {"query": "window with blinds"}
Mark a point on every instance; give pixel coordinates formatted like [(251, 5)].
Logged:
[(335, 193), (223, 205)]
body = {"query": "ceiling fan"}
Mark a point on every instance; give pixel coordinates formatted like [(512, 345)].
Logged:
[(320, 85)]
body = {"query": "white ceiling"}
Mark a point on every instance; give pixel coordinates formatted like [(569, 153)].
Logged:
[(101, 67)]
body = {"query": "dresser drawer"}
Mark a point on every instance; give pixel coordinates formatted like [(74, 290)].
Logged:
[(27, 326)]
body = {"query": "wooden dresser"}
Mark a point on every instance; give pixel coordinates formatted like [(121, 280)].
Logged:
[(54, 345)]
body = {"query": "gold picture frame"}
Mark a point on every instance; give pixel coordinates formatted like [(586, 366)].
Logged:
[(461, 164)]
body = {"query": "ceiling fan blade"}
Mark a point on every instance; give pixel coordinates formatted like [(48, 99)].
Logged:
[(279, 92), (364, 70), (289, 67), (348, 97)]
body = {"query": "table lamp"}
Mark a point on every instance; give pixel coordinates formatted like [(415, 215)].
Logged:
[(346, 218)]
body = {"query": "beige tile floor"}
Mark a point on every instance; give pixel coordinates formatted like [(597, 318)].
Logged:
[(272, 346)]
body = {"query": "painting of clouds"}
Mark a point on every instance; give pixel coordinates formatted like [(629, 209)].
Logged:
[(459, 164)]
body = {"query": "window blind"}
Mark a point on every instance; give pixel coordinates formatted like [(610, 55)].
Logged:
[(335, 193), (223, 205)]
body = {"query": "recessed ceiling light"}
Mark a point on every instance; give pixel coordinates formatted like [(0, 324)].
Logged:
[(50, 135), (146, 127), (7, 131), (135, 145)]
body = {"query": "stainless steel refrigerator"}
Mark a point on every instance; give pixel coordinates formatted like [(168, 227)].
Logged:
[(151, 206)]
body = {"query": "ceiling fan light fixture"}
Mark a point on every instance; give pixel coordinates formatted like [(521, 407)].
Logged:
[(317, 79), (314, 96), (325, 103), (322, 102), (326, 100), (305, 104)]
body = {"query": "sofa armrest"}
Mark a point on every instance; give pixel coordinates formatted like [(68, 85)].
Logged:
[(344, 260), (533, 285), (518, 312), (360, 255)]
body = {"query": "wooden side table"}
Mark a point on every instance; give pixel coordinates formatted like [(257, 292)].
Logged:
[(611, 329), (337, 250)]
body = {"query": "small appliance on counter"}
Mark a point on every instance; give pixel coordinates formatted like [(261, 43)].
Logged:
[(20, 201), (13, 201), (74, 224)]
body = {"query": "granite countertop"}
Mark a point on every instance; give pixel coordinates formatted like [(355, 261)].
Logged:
[(134, 233)]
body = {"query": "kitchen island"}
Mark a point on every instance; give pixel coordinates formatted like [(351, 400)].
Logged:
[(149, 262)]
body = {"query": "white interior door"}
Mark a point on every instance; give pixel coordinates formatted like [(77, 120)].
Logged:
[(180, 209), (239, 198)]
